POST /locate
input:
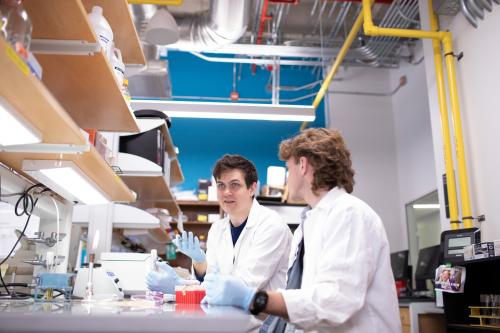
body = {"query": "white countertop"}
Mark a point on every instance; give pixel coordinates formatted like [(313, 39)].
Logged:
[(27, 316)]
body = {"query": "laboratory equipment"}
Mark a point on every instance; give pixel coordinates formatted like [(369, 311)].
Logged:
[(399, 264), (152, 296), (49, 282), (130, 267), (48, 241), (401, 271), (428, 260), (152, 260), (454, 241), (191, 294), (90, 277), (149, 145), (106, 284)]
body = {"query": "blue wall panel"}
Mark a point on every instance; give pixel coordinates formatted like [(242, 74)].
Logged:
[(202, 141)]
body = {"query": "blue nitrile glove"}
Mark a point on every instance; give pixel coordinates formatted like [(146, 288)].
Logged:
[(190, 246), (165, 279), (227, 290)]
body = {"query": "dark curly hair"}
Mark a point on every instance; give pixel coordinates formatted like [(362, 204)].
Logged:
[(231, 162), (326, 151)]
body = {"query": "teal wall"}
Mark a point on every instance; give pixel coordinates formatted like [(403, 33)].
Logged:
[(202, 141)]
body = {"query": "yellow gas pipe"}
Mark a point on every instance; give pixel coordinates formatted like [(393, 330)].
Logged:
[(446, 40), (445, 127)]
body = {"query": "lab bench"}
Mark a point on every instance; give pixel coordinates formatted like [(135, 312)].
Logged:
[(420, 315), (125, 316)]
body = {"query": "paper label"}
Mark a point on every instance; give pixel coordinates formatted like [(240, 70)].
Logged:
[(17, 60)]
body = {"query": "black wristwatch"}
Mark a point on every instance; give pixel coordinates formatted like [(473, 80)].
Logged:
[(259, 302)]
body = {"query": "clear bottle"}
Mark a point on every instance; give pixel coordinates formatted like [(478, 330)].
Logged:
[(16, 24)]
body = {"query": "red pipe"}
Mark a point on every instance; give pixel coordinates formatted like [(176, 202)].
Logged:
[(263, 18)]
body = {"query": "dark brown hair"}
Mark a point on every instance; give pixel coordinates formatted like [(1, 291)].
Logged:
[(326, 151), (231, 162)]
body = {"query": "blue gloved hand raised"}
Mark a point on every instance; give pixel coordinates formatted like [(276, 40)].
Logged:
[(190, 246), (165, 279), (227, 290)]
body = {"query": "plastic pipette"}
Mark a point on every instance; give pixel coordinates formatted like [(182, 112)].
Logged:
[(95, 242)]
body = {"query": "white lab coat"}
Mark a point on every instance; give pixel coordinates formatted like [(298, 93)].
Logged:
[(347, 281), (260, 256)]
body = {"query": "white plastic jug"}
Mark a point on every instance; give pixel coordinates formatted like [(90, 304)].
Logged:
[(118, 65), (102, 30)]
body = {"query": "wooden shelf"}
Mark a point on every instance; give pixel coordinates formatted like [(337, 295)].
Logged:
[(152, 191), (59, 19), (193, 223), (34, 102), (176, 175), (90, 163), (198, 203), (118, 15), (84, 85), (473, 328)]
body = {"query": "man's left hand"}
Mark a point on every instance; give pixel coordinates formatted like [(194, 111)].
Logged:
[(227, 290)]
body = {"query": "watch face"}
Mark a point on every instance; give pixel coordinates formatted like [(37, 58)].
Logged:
[(259, 302)]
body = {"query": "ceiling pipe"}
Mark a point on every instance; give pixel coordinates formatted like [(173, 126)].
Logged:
[(225, 23), (263, 18)]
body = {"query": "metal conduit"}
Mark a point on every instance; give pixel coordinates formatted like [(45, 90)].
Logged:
[(399, 22), (345, 6), (296, 99), (395, 22), (259, 61), (474, 9), (316, 25), (388, 21), (384, 46), (379, 42)]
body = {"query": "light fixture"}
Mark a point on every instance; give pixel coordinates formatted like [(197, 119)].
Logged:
[(247, 111), (66, 179), (162, 28), (426, 206), (14, 130)]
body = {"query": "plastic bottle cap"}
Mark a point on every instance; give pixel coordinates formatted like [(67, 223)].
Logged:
[(97, 10)]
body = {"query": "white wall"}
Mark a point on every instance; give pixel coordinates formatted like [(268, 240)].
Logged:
[(367, 125), (415, 157), (477, 74)]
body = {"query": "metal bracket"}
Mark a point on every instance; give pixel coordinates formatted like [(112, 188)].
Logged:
[(64, 47), (47, 148)]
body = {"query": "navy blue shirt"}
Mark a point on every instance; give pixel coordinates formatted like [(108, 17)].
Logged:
[(235, 234), (236, 231)]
